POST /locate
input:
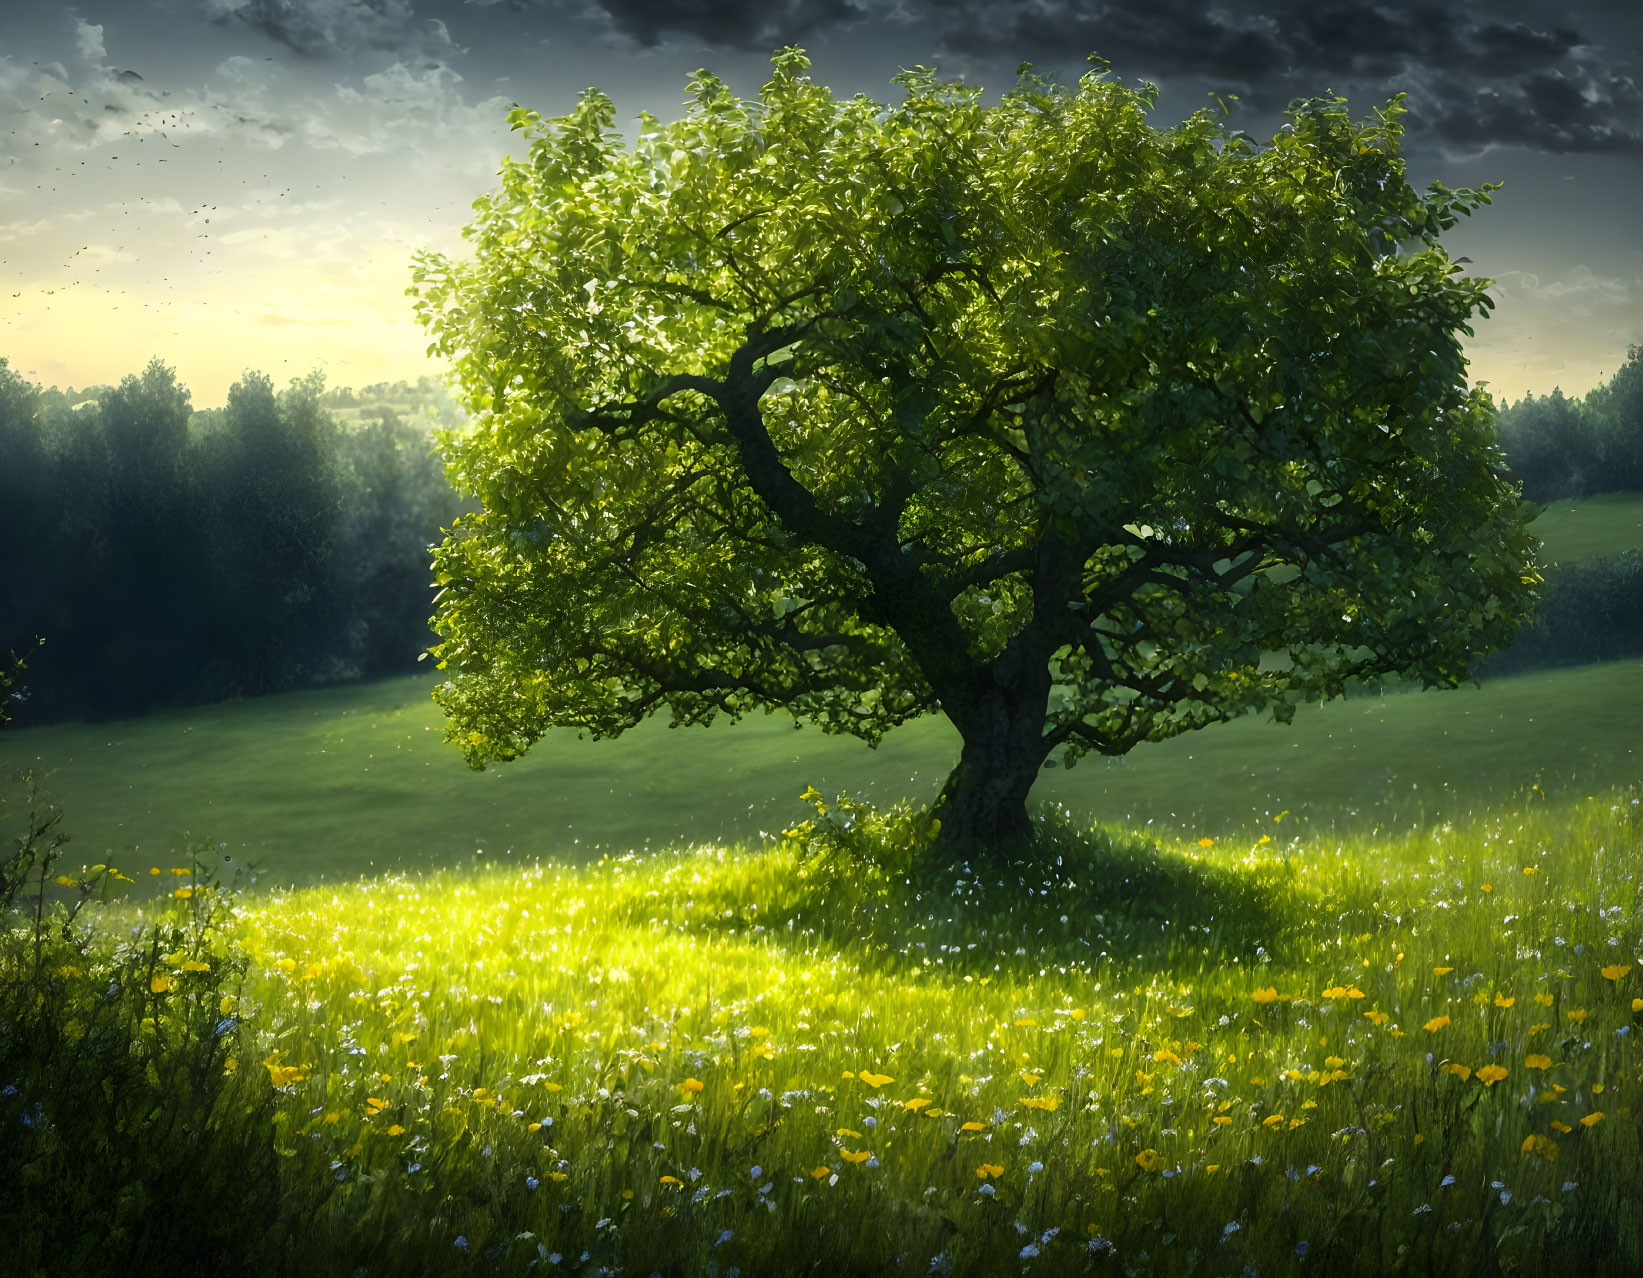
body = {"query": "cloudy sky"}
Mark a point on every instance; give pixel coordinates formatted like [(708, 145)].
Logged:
[(233, 184)]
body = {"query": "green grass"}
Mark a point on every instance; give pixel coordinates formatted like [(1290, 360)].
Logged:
[(333, 784), (1170, 1058), (1579, 528), (1226, 1040)]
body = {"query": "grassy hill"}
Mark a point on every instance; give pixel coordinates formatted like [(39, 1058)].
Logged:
[(332, 784), (1353, 996), (1579, 528), (1282, 1047)]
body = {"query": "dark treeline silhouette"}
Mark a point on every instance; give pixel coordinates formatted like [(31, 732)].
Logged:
[(1560, 447), (1589, 611), (167, 556)]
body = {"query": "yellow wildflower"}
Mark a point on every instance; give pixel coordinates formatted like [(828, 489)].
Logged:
[(989, 1171), (1592, 1119), (1148, 1160), (1436, 1023), (1537, 1061), (1542, 1145), (1616, 971), (1489, 1075)]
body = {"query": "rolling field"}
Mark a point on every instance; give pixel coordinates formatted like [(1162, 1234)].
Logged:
[(1358, 1041), (1355, 996), (333, 784), (1579, 528)]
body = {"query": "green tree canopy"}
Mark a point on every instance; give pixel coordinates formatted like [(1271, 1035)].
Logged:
[(1081, 432)]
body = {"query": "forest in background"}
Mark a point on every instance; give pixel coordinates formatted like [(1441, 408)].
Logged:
[(168, 555)]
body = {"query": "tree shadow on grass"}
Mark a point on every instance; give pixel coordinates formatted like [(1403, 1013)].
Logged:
[(1085, 896)]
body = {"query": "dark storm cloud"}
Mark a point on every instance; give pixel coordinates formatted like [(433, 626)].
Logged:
[(754, 26), (321, 27), (1502, 74), (1545, 112), (1473, 79)]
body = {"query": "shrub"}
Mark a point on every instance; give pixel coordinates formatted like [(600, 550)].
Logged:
[(1588, 612), (131, 1141)]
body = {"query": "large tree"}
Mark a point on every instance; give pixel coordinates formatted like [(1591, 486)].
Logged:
[(1081, 432)]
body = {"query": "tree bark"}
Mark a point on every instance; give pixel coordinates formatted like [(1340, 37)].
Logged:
[(983, 804)]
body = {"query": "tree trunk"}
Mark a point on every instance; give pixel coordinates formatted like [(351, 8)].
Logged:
[(983, 805)]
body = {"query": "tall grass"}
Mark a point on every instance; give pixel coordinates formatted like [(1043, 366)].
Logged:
[(1273, 1054)]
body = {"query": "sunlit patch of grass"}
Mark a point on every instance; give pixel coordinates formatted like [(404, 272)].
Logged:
[(1176, 1057)]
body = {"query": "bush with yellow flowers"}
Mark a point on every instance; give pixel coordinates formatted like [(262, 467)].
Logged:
[(130, 1141)]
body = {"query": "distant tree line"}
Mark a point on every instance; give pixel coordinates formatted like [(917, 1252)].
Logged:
[(1560, 447), (1589, 611), (168, 556)]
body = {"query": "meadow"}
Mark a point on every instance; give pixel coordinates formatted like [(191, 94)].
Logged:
[(331, 784), (1583, 527), (1359, 995), (1306, 1044)]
